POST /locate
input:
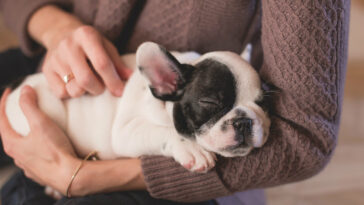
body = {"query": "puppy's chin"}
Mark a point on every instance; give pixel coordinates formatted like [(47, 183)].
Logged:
[(227, 151), (238, 152)]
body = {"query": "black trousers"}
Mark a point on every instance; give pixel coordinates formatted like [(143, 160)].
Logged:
[(20, 190)]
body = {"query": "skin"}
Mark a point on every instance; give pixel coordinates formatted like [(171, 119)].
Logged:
[(46, 154), (70, 44)]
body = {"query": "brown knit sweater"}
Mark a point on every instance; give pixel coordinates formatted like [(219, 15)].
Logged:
[(300, 47)]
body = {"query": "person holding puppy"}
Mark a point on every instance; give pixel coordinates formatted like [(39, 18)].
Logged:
[(84, 38)]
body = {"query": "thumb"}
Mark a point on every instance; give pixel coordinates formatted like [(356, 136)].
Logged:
[(5, 127), (29, 104)]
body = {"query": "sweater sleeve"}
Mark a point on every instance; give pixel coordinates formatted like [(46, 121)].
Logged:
[(305, 54), (16, 15)]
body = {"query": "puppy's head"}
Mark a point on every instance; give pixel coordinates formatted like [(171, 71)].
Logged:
[(214, 98)]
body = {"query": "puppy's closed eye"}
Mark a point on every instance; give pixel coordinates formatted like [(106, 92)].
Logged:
[(209, 102)]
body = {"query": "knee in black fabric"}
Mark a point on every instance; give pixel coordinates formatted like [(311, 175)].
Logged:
[(21, 190), (122, 198)]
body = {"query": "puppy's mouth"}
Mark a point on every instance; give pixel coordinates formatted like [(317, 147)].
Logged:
[(233, 151), (232, 148)]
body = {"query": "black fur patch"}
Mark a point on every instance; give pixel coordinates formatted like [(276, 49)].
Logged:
[(209, 94)]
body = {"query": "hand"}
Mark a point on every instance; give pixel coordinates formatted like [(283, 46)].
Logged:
[(45, 154), (77, 49), (70, 55)]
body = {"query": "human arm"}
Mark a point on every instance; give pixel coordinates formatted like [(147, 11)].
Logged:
[(108, 176), (46, 156), (304, 49)]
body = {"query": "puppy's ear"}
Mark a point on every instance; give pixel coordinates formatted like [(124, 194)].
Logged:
[(167, 77)]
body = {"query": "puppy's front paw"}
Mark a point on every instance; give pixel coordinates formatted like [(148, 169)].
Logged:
[(192, 156)]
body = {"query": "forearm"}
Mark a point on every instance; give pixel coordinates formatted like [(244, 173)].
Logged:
[(107, 176), (49, 24)]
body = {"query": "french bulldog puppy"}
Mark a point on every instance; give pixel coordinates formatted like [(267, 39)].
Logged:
[(180, 105)]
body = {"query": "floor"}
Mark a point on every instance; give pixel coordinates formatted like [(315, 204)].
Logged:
[(342, 182)]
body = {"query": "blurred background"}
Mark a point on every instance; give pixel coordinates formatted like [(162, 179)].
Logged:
[(342, 181)]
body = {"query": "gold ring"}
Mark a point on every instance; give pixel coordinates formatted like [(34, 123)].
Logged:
[(68, 78)]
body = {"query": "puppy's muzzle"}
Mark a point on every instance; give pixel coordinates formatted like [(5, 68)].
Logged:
[(243, 130)]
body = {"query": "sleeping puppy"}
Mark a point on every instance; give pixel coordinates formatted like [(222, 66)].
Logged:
[(181, 105)]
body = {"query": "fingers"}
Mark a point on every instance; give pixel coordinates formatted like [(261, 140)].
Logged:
[(5, 127), (56, 84), (3, 99), (8, 135), (4, 123), (51, 70), (103, 64), (29, 104), (70, 57), (83, 74), (72, 88)]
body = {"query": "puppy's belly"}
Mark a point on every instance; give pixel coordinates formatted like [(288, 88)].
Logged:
[(48, 103), (89, 123), (86, 120)]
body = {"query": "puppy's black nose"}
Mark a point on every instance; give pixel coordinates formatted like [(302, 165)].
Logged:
[(243, 126)]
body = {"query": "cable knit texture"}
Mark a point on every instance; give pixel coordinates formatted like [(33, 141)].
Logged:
[(300, 48)]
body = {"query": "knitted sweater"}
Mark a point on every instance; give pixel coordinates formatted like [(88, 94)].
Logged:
[(299, 47)]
